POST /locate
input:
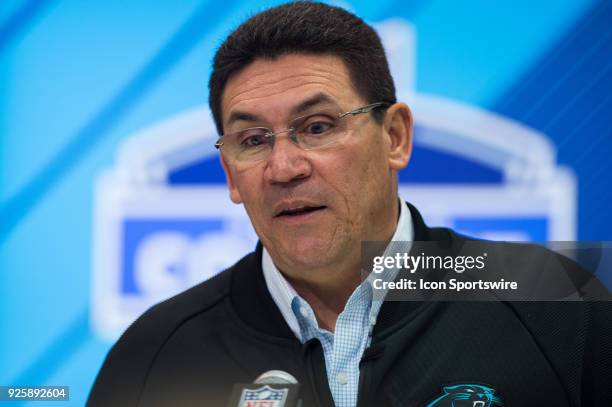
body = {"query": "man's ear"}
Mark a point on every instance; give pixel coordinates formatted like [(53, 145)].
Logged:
[(398, 127), (233, 190)]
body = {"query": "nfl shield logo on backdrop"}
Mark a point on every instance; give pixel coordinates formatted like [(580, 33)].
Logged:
[(265, 396)]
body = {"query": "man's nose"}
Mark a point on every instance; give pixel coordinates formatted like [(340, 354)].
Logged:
[(286, 162)]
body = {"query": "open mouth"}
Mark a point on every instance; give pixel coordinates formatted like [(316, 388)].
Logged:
[(299, 211)]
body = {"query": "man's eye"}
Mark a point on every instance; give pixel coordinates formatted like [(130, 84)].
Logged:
[(319, 127), (253, 139)]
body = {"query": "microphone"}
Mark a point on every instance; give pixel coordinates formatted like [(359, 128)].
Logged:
[(274, 388)]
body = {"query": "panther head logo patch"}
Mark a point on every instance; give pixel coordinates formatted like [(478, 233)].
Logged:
[(467, 395)]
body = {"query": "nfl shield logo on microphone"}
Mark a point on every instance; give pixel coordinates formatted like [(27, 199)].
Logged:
[(265, 396)]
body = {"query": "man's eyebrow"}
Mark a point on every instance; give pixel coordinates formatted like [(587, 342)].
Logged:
[(317, 99), (237, 116)]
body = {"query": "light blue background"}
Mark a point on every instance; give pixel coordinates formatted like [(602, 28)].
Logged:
[(76, 77)]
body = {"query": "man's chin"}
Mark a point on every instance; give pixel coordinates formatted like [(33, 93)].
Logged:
[(307, 253)]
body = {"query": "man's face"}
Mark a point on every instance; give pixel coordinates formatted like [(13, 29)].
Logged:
[(310, 208)]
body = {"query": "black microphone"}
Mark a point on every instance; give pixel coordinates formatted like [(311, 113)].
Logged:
[(274, 388)]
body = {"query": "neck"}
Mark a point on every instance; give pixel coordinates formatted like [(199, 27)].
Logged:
[(327, 301), (327, 290)]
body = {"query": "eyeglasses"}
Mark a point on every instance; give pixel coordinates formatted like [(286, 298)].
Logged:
[(309, 132)]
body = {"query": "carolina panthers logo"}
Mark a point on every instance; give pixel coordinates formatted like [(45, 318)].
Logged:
[(467, 395)]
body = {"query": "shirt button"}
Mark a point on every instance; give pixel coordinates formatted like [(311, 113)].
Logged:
[(304, 311), (372, 320), (341, 378)]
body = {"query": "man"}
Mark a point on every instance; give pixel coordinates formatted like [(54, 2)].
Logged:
[(312, 139)]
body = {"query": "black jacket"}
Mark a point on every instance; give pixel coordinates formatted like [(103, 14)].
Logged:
[(191, 349)]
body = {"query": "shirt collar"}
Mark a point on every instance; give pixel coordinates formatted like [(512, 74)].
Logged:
[(283, 293)]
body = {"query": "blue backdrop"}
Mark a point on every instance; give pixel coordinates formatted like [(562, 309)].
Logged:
[(78, 77)]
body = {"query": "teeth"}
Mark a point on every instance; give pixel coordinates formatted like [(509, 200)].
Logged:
[(298, 210)]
